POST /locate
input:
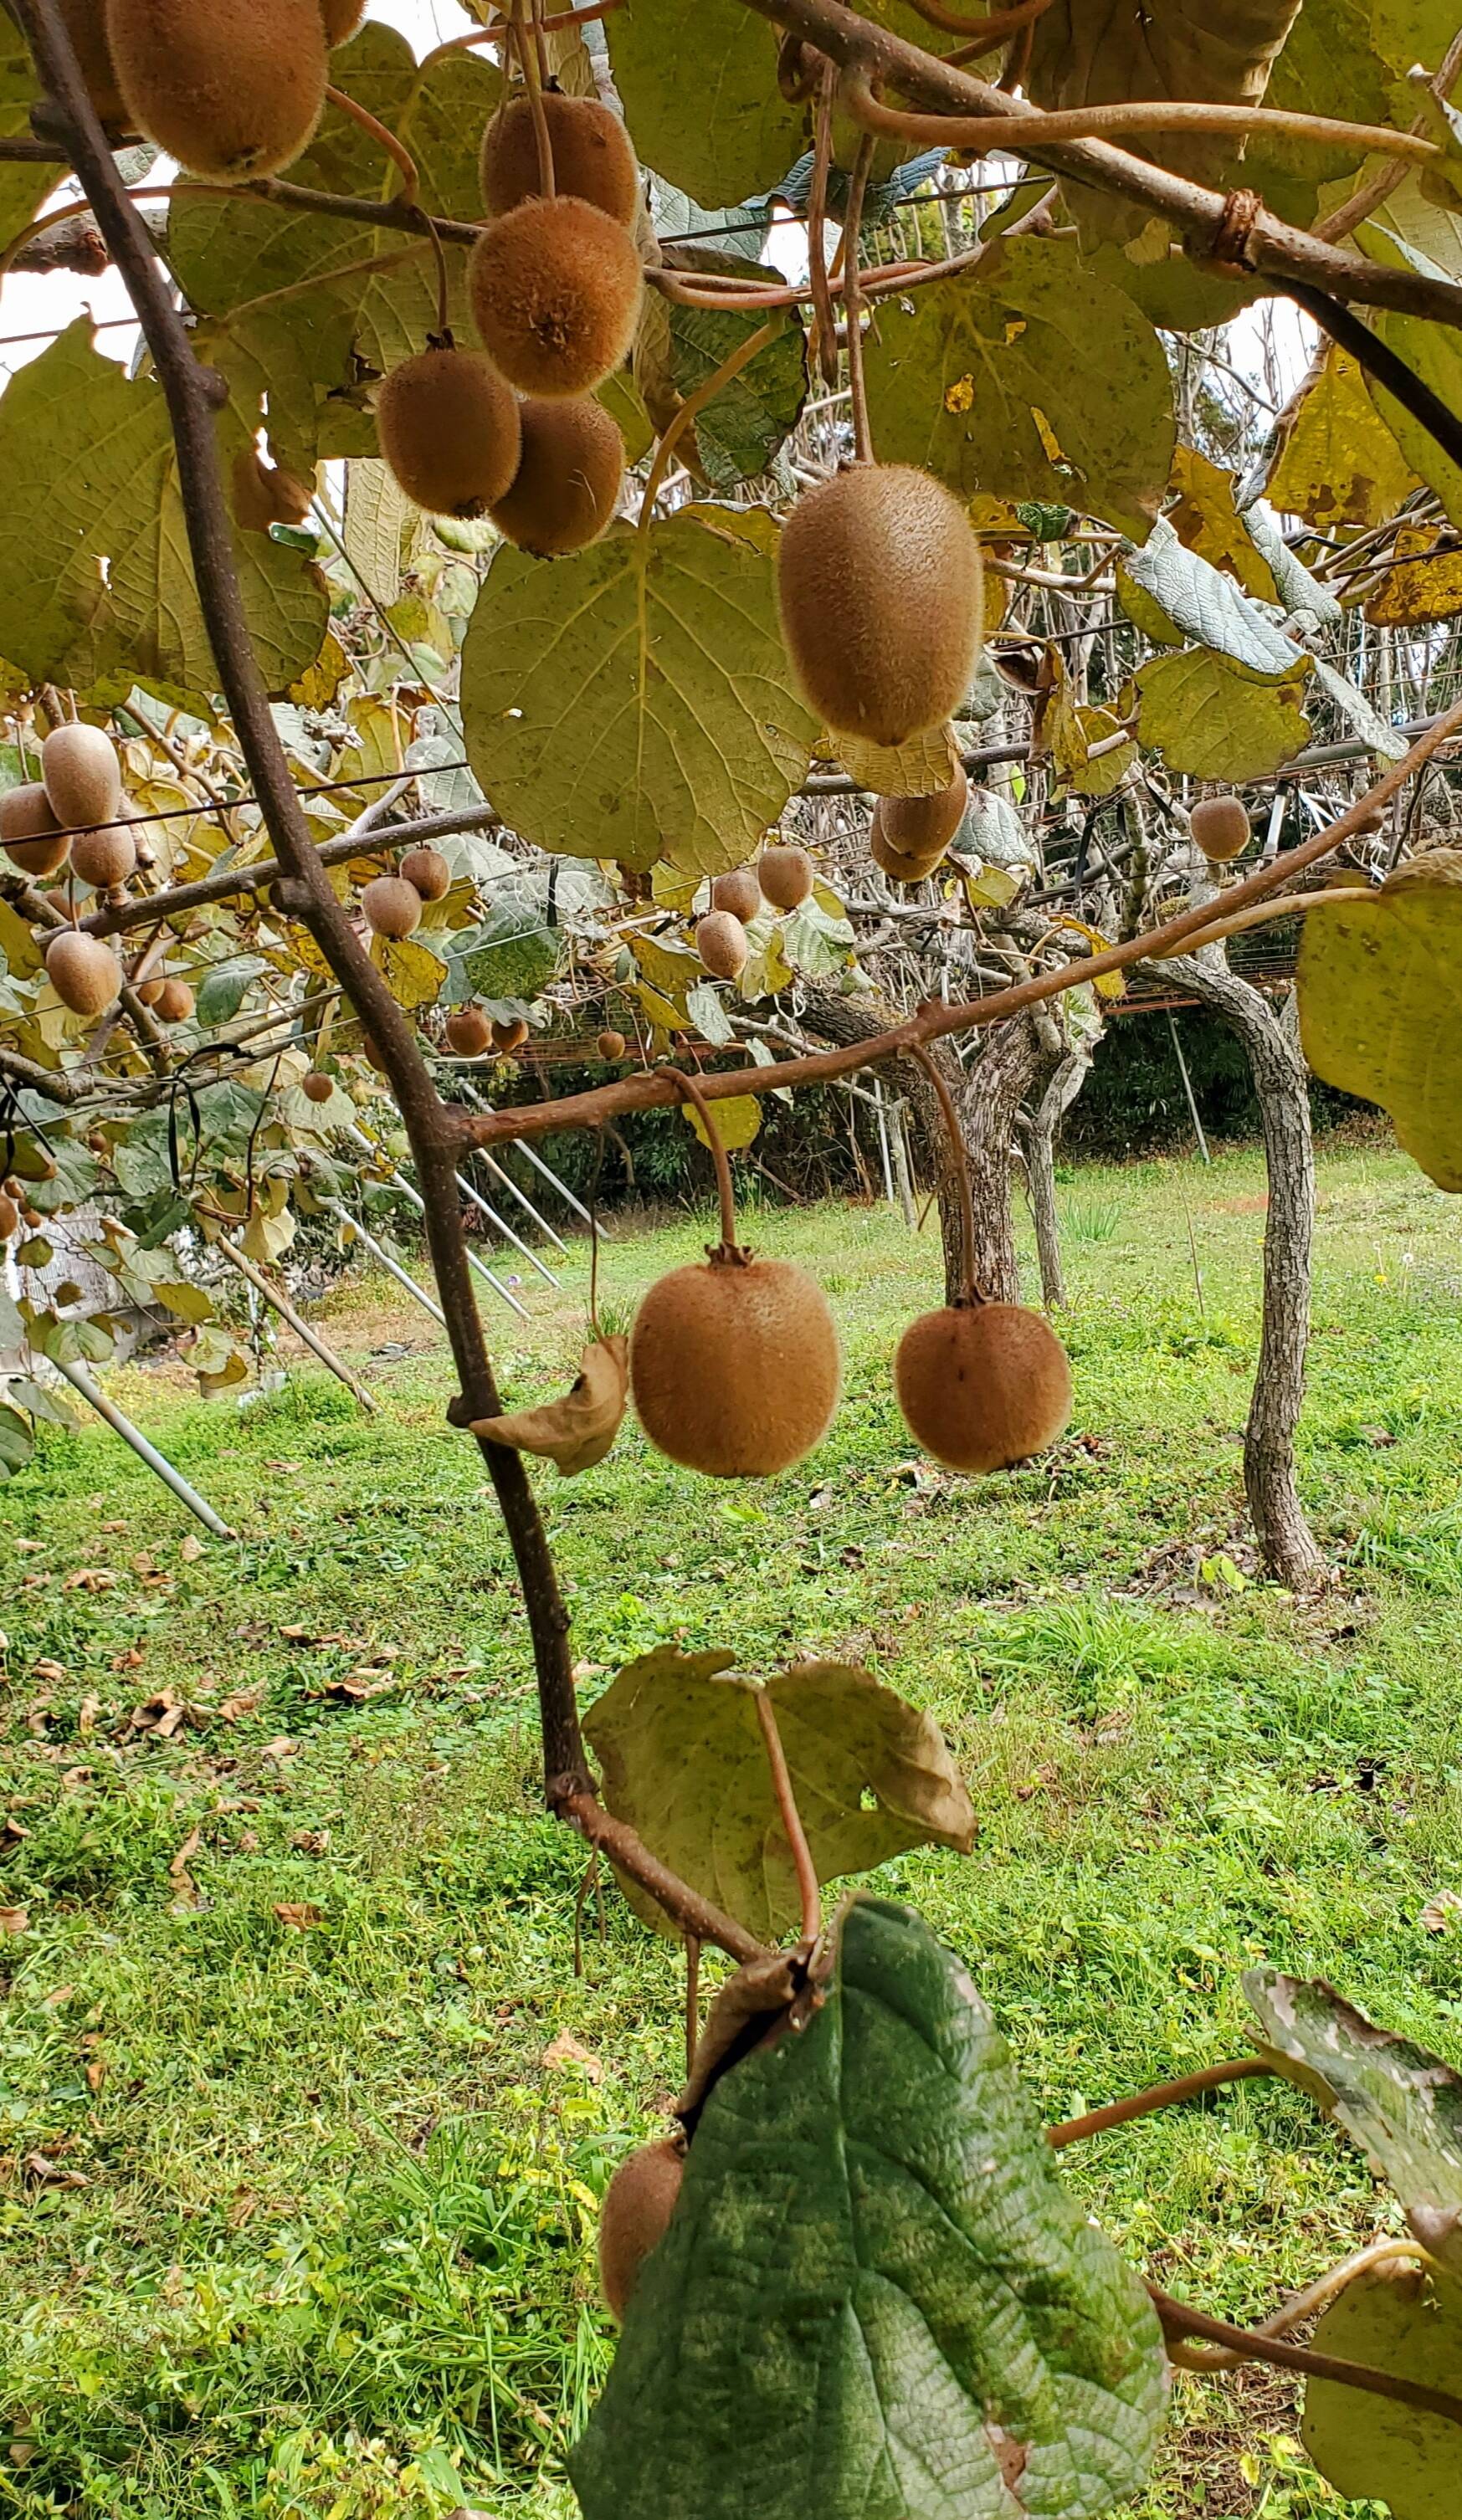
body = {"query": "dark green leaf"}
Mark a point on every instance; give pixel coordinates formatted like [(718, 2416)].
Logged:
[(16, 1443)]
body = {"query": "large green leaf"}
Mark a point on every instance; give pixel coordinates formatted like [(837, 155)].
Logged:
[(701, 99), (633, 702), (1402, 2104), (513, 953), (73, 417), (1209, 720), (989, 382), (1370, 2448), (1172, 592), (1380, 999), (685, 1763), (875, 2300), (23, 187), (1435, 354), (740, 428), (16, 1442)]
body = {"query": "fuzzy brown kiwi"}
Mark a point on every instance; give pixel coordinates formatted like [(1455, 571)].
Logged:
[(10, 1218), (507, 1037), (104, 857), (83, 775), (722, 944), (29, 832), (1221, 827), (318, 1087), (635, 2217), (230, 88), (85, 22), (739, 892), (592, 156), (341, 19), (449, 430), (427, 871), (469, 1032), (893, 864), (392, 906), (174, 1001), (85, 974), (610, 1046), (879, 578), (555, 289), (786, 876), (150, 991), (917, 827), (735, 1367), (563, 492), (267, 494), (982, 1386)]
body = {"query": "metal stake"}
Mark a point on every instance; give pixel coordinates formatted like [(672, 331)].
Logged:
[(1203, 1143), (80, 1379), (260, 1286), (379, 1253)]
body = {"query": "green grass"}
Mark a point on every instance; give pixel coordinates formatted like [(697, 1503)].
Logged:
[(333, 2254)]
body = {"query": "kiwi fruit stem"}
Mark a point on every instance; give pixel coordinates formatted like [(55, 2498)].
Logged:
[(528, 60), (969, 1292), (728, 1253), (792, 1818)]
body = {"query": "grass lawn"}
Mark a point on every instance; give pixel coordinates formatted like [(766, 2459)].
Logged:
[(303, 2112)]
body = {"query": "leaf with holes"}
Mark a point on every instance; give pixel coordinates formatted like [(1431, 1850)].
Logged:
[(1380, 999), (875, 2300), (1391, 2319), (685, 1763)]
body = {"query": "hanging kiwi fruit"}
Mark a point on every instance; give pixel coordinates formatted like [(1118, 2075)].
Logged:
[(174, 1001), (392, 908), (879, 584), (317, 1086), (509, 1037), (1221, 827), (610, 1046), (230, 88), (568, 480), (449, 430), (981, 1385), (722, 944), (10, 1218), (556, 287), (468, 1033), (735, 1367), (635, 2216), (104, 857), (342, 19), (589, 146), (737, 892), (85, 974), (85, 21), (427, 871), (83, 775), (786, 876), (29, 832)]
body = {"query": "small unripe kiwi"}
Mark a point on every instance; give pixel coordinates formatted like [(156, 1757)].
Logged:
[(635, 2217), (722, 944), (83, 775), (392, 906), (85, 974), (878, 579), (786, 876), (10, 1218), (982, 1386), (29, 832), (739, 892), (1221, 827), (104, 857), (174, 1001), (610, 1046), (449, 430), (592, 156), (427, 871), (230, 88), (317, 1086), (267, 494), (507, 1037), (735, 1368), (564, 491), (341, 19), (85, 22), (469, 1032), (555, 289)]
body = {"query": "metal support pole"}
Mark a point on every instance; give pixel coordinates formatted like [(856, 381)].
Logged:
[(522, 1199), (902, 1168), (491, 1214), (883, 1138), (1203, 1143), (260, 1286), (80, 1379), (597, 1227), (378, 1252), (409, 1191)]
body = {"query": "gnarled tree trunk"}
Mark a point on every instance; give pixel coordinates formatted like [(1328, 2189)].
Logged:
[(1041, 1170), (831, 1016), (1011, 1067)]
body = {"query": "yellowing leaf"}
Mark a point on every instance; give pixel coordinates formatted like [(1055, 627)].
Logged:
[(737, 1121), (411, 970), (1338, 464), (922, 767), (1107, 984), (1391, 2319), (1381, 1006), (575, 1432), (1211, 721), (1204, 517), (1422, 583)]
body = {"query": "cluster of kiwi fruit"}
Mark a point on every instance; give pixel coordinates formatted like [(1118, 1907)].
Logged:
[(911, 833), (232, 89), (783, 877), (471, 1033), (392, 904), (73, 815), (513, 431)]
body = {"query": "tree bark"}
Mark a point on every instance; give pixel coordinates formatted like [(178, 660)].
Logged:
[(834, 1017), (1011, 1068), (1287, 1546), (1040, 1171)]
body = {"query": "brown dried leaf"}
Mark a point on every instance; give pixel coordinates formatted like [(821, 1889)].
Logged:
[(244, 1702), (178, 1872), (15, 1920), (565, 2051), (577, 1431), (299, 1914), (50, 2174), (1441, 1912)]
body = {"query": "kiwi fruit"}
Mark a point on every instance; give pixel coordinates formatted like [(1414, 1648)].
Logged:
[(428, 873), (105, 857), (449, 430), (85, 21), (1221, 827), (150, 991), (917, 827), (392, 906), (174, 1001), (592, 156), (317, 1086), (722, 944), (342, 18), (85, 974), (982, 1386), (507, 1037), (265, 494), (735, 1367), (893, 864), (555, 289), (83, 775), (786, 876), (564, 491), (372, 1055), (469, 1032), (610, 1046), (878, 579), (10, 1218), (230, 88), (29, 832), (737, 892), (635, 2217)]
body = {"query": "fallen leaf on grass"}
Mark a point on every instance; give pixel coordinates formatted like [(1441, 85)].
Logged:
[(161, 1715), (131, 1660), (86, 1715), (14, 1828), (51, 2174), (356, 1686), (178, 1872), (311, 1841), (565, 2051), (189, 1548), (244, 1702), (299, 1914), (1439, 1913), (577, 1431), (280, 1748), (96, 2074), (15, 1920), (91, 1579)]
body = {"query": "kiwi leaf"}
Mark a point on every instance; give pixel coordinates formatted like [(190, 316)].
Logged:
[(875, 2300), (743, 134), (1213, 723), (1378, 1009), (684, 1762), (1406, 2459), (1179, 592), (739, 432)]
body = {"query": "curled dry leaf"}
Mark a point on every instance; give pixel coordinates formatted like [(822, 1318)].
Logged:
[(15, 1920), (577, 1431), (565, 2050), (299, 1914)]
